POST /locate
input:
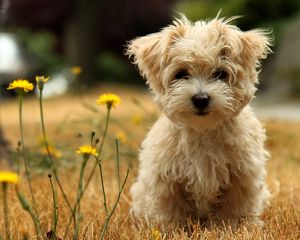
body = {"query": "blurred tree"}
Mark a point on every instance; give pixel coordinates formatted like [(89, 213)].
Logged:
[(254, 12), (40, 15), (258, 12), (98, 26), (86, 28)]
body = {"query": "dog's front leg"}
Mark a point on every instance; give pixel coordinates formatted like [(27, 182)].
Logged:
[(158, 200), (244, 199)]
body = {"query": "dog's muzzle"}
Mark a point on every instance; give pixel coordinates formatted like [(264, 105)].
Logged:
[(201, 103)]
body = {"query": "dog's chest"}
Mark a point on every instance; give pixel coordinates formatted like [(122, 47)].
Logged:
[(206, 163), (201, 165)]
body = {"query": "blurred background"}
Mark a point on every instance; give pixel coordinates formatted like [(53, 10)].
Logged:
[(80, 43)]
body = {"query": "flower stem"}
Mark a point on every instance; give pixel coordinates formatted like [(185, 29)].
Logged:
[(118, 163), (19, 158), (100, 162), (103, 189), (27, 173), (79, 194), (5, 211), (108, 217), (55, 211), (104, 131), (21, 121), (78, 200), (53, 168), (97, 162), (80, 184), (26, 206)]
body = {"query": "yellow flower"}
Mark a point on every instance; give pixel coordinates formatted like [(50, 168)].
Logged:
[(9, 177), (155, 234), (42, 79), (87, 150), (76, 70), (121, 136), (41, 141), (54, 152), (21, 84), (137, 119), (109, 99)]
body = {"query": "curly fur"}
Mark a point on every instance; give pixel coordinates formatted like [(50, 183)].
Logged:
[(201, 166)]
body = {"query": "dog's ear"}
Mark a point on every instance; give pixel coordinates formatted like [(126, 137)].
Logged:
[(148, 54), (256, 46)]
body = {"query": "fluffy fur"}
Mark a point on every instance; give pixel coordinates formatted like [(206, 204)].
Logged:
[(204, 162)]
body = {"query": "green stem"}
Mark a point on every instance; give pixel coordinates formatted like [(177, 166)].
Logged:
[(21, 121), (27, 173), (19, 158), (80, 185), (55, 213), (53, 168), (108, 217), (97, 162), (118, 163), (79, 194), (103, 189), (26, 206), (5, 211), (104, 131), (78, 200), (100, 162)]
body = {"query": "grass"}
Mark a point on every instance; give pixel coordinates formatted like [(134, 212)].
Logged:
[(69, 121)]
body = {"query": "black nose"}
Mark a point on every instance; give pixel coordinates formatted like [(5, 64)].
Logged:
[(201, 101)]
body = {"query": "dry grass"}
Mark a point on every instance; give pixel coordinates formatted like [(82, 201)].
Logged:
[(282, 217)]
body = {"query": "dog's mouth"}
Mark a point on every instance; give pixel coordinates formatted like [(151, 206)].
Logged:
[(202, 113)]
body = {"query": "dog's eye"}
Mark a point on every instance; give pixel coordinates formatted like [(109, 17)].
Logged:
[(182, 74), (220, 74)]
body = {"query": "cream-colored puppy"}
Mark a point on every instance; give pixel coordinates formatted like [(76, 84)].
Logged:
[(205, 157)]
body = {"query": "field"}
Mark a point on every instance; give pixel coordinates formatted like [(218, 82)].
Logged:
[(69, 122)]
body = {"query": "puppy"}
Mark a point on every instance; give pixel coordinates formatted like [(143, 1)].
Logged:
[(205, 157)]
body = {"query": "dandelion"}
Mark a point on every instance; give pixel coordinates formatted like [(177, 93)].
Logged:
[(5, 178), (109, 99), (9, 177), (76, 70), (41, 141), (21, 84), (121, 136), (137, 119), (87, 150), (41, 80), (54, 152)]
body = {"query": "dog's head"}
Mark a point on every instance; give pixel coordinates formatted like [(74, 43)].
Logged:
[(201, 73)]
